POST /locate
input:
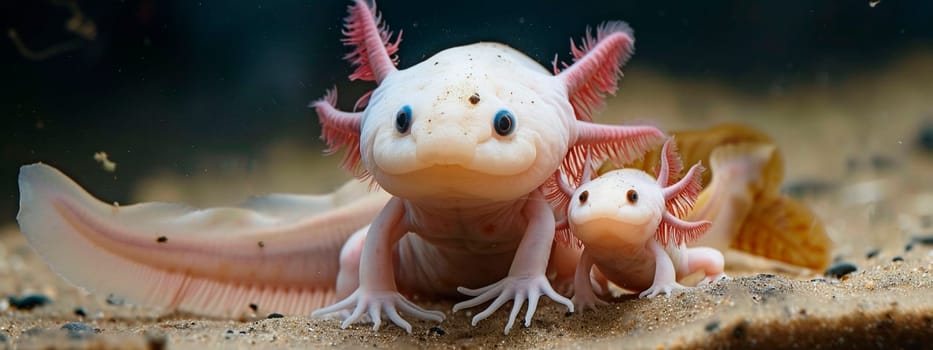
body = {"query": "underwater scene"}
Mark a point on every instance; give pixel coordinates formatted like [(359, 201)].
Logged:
[(483, 174)]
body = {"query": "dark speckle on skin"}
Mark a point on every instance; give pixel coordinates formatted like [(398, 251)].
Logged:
[(840, 269), (261, 244), (253, 306), (474, 99), (162, 239)]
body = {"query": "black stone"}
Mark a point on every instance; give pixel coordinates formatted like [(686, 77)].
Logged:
[(840, 269), (275, 315), (79, 330), (897, 259), (437, 330), (28, 302), (79, 311), (925, 240)]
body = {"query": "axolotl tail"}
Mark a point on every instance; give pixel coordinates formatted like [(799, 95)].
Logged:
[(277, 253)]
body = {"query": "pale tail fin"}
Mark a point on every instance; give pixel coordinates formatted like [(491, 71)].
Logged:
[(278, 252)]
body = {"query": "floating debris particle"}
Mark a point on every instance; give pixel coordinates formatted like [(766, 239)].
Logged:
[(909, 246), (105, 162), (436, 330), (873, 3), (28, 302), (275, 315), (872, 253), (79, 330), (840, 269)]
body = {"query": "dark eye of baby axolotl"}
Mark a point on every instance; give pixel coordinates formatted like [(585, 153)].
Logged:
[(584, 196), (632, 196), (403, 119), (504, 122)]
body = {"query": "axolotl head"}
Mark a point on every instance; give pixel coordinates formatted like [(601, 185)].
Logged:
[(481, 121), (622, 206)]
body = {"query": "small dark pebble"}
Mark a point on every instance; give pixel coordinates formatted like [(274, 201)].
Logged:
[(253, 306), (229, 331), (437, 330), (840, 269), (156, 342), (28, 302), (114, 300), (926, 137), (928, 240), (766, 275), (712, 326), (808, 188), (739, 331), (275, 315), (78, 330), (909, 246), (883, 163), (897, 259), (872, 253), (568, 314), (79, 311)]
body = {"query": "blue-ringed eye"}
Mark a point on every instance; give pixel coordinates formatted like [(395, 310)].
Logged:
[(504, 122), (403, 119)]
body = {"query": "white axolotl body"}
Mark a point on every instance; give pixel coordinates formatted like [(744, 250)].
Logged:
[(628, 223), (463, 144), (465, 141)]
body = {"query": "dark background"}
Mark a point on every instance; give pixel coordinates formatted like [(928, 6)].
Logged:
[(164, 81)]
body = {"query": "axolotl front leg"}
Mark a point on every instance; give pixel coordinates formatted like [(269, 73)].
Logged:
[(377, 292), (526, 278)]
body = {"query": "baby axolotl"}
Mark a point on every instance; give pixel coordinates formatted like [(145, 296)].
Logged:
[(630, 225)]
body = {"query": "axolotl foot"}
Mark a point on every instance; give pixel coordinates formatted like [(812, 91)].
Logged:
[(583, 301), (511, 288), (663, 288), (711, 279), (374, 304)]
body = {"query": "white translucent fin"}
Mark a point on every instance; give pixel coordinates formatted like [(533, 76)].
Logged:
[(279, 252)]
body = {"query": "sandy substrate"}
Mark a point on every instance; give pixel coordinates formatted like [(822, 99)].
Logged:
[(884, 304), (850, 151)]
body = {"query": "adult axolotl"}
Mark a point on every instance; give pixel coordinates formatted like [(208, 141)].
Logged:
[(630, 225), (462, 141)]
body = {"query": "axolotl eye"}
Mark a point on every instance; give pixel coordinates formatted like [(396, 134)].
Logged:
[(504, 122), (632, 196), (403, 119)]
